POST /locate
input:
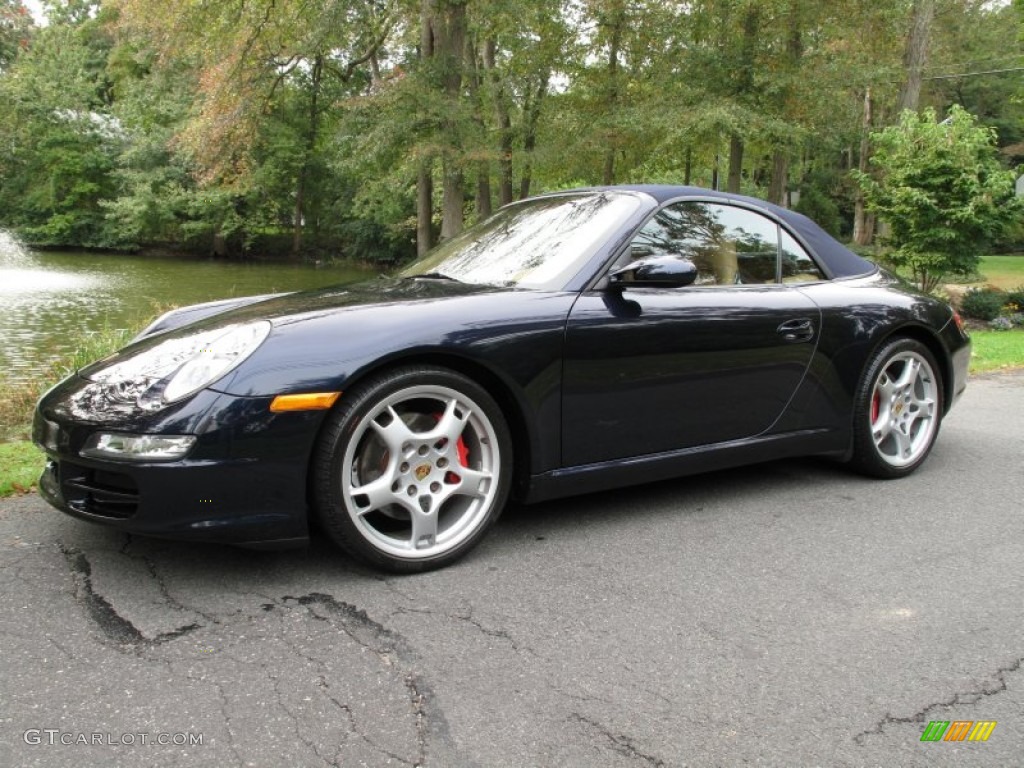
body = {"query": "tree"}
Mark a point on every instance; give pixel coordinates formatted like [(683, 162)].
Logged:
[(15, 30), (942, 191), (247, 53), (58, 137)]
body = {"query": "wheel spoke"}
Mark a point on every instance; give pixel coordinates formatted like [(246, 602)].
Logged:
[(884, 388), (903, 442), (472, 482), (452, 421), (378, 494), (395, 433), (911, 369), (424, 528), (924, 407), (881, 430)]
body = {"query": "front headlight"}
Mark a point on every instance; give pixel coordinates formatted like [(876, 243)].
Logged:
[(176, 368)]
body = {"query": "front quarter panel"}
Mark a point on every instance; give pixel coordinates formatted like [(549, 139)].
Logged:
[(516, 336)]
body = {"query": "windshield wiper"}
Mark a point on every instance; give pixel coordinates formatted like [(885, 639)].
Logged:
[(433, 276)]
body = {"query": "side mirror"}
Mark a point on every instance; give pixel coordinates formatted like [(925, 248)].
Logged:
[(657, 272)]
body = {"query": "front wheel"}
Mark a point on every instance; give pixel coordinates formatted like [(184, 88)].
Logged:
[(412, 469), (898, 410)]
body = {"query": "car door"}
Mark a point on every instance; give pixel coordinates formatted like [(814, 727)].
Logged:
[(651, 369)]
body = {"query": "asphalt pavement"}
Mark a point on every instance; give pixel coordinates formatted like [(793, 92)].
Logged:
[(785, 614)]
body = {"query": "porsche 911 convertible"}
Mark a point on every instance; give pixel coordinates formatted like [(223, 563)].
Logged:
[(571, 343)]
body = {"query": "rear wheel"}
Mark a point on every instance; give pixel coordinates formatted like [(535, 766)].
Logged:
[(412, 469), (898, 410)]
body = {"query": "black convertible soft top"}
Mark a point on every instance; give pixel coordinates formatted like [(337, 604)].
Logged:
[(838, 260)]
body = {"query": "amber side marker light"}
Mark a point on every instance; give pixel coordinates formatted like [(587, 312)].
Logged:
[(312, 401)]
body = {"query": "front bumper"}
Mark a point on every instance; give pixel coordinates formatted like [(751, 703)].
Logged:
[(244, 482)]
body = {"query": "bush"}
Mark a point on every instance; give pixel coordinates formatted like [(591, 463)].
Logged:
[(1001, 324), (982, 303), (1015, 299)]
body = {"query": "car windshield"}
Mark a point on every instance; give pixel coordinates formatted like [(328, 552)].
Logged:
[(540, 243)]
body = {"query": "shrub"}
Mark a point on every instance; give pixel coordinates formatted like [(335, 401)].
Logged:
[(1001, 324), (982, 303), (1015, 299)]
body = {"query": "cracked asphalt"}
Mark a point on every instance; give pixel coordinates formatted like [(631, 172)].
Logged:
[(784, 614)]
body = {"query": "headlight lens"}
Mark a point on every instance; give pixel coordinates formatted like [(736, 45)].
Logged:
[(176, 368), (106, 445)]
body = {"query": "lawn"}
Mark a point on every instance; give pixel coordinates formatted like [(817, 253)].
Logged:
[(22, 462), (997, 350), (1006, 272)]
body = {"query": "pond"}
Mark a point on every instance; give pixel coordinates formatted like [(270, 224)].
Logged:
[(48, 299)]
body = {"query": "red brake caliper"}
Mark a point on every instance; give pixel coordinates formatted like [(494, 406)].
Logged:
[(876, 402), (463, 453)]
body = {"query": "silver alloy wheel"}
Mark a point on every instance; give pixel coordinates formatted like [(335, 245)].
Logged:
[(903, 412), (420, 473)]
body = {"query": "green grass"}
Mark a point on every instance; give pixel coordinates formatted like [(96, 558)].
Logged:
[(21, 462), (997, 350), (1006, 272)]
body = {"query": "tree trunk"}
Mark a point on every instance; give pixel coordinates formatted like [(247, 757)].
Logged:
[(443, 39), (483, 191), (449, 46), (454, 193), (316, 76), (483, 166), (424, 173), (780, 178), (688, 166), (863, 224), (424, 208), (617, 23), (744, 88), (735, 164), (504, 121), (532, 117), (915, 55)]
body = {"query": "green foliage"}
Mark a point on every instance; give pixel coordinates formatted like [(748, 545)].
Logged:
[(1015, 299), (16, 29), (300, 127), (817, 205), (942, 192), (982, 303), (22, 464)]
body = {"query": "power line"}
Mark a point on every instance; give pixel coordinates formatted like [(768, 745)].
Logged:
[(973, 74)]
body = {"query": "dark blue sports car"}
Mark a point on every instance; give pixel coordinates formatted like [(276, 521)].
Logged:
[(571, 343)]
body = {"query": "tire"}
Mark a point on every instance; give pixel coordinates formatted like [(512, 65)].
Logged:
[(897, 410), (412, 469)]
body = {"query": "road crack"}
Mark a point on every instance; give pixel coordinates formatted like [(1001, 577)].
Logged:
[(621, 743), (112, 624), (997, 686)]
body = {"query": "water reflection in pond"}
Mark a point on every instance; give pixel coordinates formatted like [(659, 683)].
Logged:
[(49, 299)]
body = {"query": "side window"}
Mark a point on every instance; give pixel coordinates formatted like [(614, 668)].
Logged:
[(729, 245), (797, 265)]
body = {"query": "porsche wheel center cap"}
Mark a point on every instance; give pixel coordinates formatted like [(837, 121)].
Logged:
[(422, 471)]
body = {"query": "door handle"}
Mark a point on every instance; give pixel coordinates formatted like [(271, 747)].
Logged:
[(800, 329)]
